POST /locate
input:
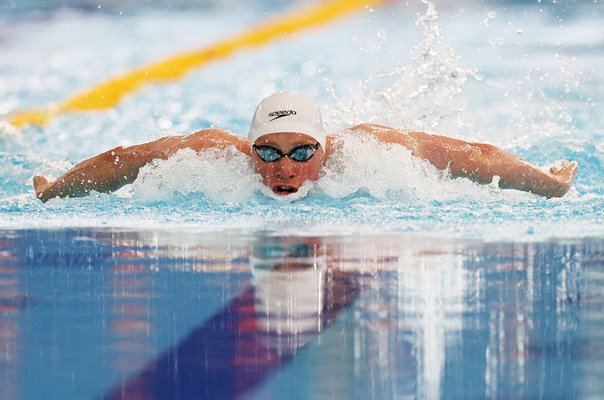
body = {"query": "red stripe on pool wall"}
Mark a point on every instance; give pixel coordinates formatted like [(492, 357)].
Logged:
[(231, 353)]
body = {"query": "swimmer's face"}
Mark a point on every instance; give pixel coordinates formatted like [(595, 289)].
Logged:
[(285, 176)]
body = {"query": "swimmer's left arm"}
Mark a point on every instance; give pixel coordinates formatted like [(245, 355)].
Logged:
[(480, 162)]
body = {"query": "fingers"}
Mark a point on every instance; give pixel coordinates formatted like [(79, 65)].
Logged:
[(568, 171), (39, 181), (564, 176), (555, 169)]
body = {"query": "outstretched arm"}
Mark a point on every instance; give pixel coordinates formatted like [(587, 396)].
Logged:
[(115, 168), (479, 162)]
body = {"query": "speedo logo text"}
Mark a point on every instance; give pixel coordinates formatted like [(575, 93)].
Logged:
[(280, 114)]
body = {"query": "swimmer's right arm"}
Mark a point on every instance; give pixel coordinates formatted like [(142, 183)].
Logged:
[(115, 168)]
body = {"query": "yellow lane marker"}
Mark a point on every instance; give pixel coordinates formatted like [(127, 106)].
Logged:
[(108, 94)]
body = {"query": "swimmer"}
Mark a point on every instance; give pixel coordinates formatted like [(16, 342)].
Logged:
[(288, 145)]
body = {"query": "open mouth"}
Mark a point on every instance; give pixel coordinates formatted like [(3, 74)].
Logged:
[(284, 189)]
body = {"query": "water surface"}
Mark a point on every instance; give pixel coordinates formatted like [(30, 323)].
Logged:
[(162, 314), (523, 77)]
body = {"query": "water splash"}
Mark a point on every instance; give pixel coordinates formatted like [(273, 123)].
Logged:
[(423, 94), (223, 175), (361, 163), (390, 172), (366, 186), (360, 167)]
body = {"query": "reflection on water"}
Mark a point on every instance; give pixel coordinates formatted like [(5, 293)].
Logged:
[(155, 315), (289, 281), (129, 290), (10, 296)]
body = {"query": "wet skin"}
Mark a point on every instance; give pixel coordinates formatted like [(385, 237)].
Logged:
[(285, 176), (479, 162)]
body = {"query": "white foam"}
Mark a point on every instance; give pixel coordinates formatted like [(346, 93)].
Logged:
[(302, 192), (363, 163), (53, 169), (359, 163), (7, 129), (223, 175)]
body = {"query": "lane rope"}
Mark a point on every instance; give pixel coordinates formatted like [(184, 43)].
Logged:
[(108, 94)]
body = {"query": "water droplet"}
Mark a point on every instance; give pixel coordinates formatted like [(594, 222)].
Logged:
[(491, 15), (381, 34)]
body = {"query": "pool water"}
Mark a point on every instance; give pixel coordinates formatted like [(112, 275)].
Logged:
[(388, 280), (164, 314), (524, 77)]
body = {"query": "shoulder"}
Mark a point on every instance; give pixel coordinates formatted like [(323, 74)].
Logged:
[(197, 141), (388, 134), (214, 138), (407, 137), (382, 132)]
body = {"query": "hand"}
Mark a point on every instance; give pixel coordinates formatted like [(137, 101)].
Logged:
[(41, 185), (564, 176)]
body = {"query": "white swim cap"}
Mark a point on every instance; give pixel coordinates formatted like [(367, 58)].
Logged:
[(288, 112)]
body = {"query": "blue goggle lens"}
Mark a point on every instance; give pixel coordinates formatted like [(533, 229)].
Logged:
[(299, 153)]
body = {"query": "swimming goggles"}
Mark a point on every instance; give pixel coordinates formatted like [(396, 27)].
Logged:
[(301, 153)]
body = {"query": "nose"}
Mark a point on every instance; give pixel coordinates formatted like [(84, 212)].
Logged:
[(286, 169)]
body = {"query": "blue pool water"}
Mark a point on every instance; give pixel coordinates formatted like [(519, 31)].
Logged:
[(387, 281), (164, 314), (526, 78)]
